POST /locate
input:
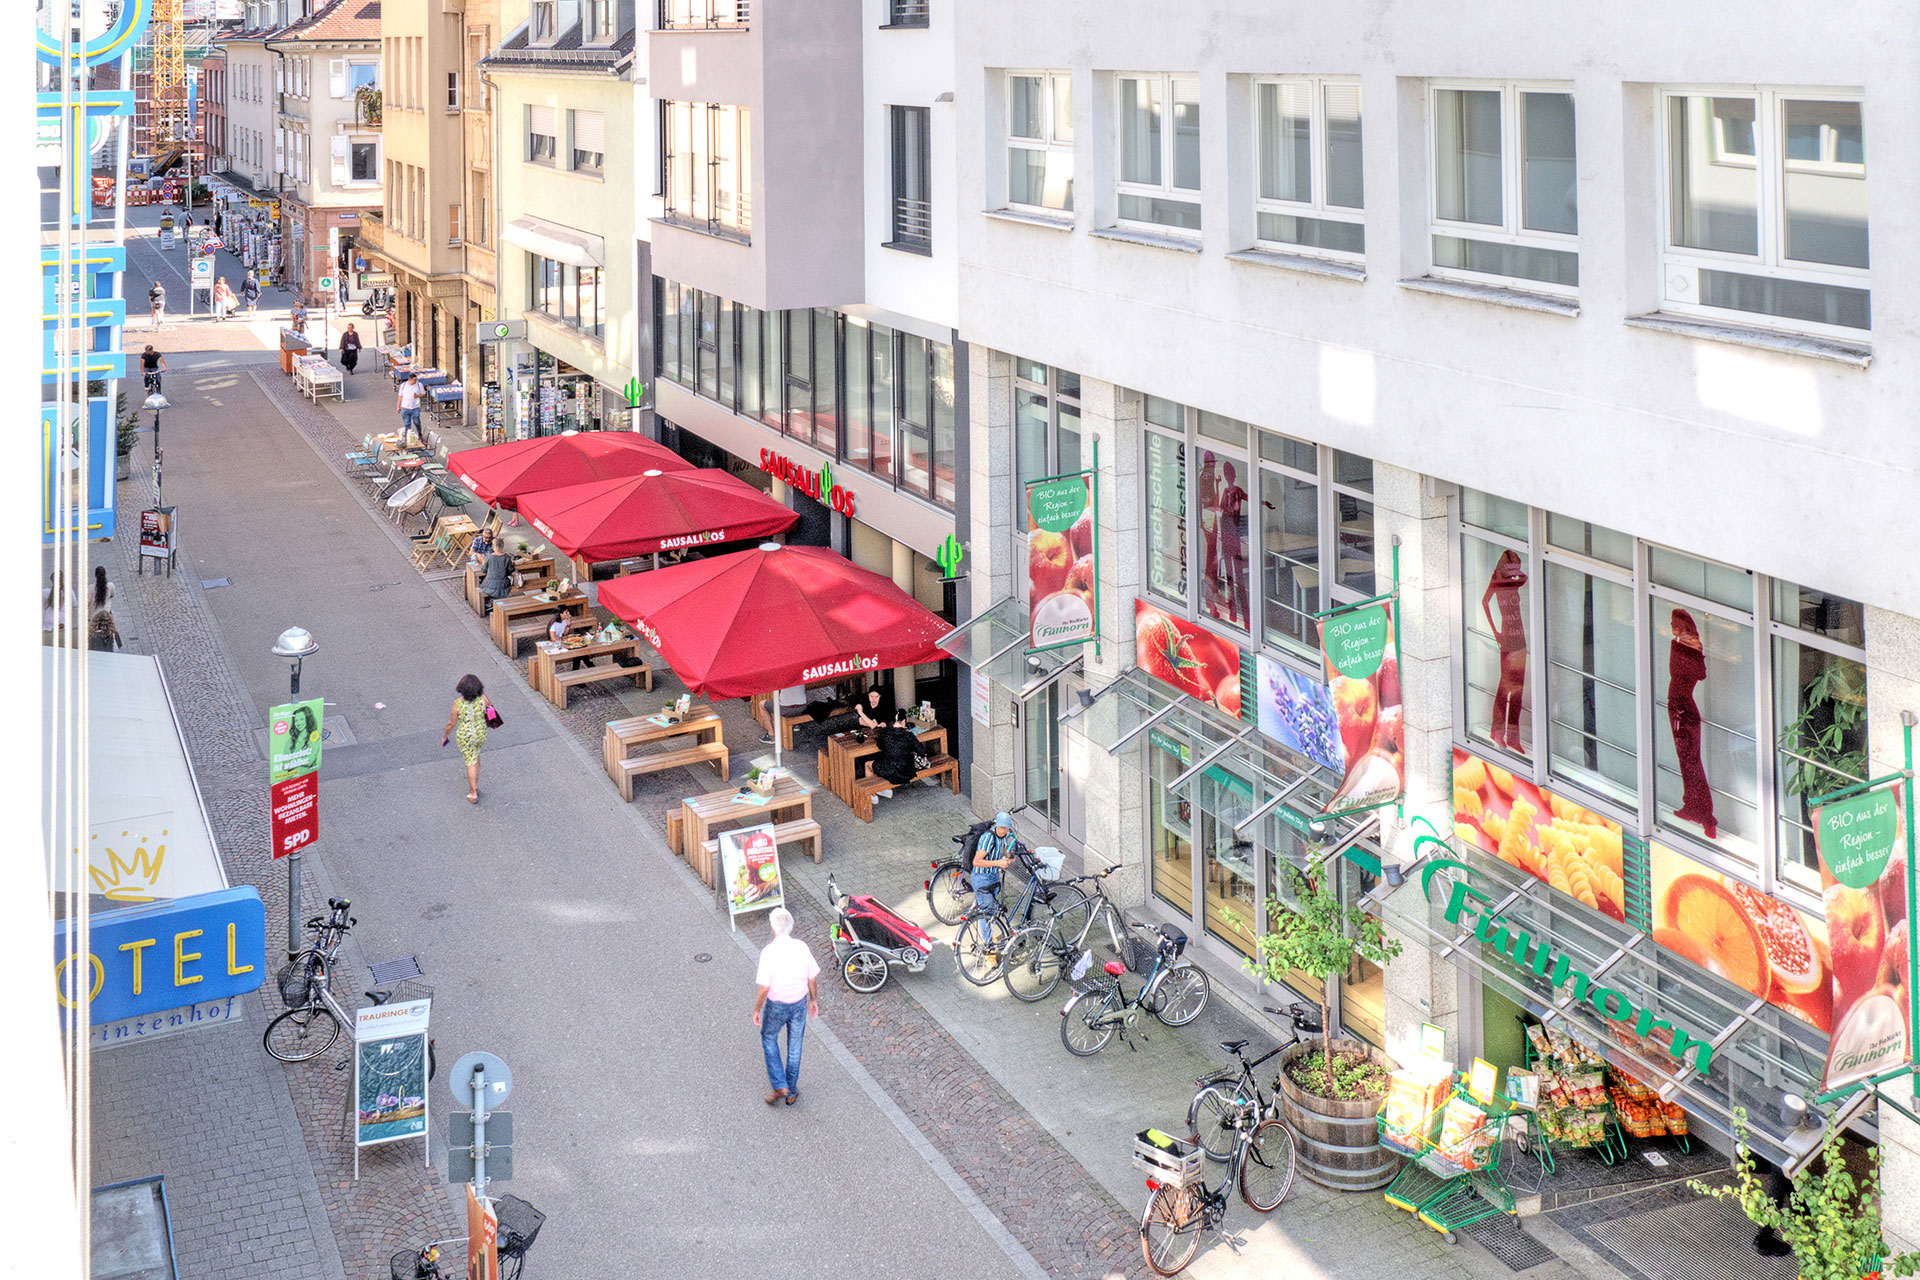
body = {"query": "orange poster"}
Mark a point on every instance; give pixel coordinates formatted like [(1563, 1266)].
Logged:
[(1550, 838)]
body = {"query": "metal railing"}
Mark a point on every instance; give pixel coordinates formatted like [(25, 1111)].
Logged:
[(703, 15), (912, 221), (908, 13)]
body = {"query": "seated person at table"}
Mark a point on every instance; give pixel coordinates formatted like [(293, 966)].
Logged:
[(899, 747), (496, 578), (557, 632), (875, 707), (481, 547), (793, 702)]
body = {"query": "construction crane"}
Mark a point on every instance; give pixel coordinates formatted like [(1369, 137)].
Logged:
[(172, 130)]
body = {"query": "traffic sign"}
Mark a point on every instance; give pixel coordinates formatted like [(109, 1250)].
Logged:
[(500, 331), (499, 1129), (499, 1079), (324, 284), (460, 1165)]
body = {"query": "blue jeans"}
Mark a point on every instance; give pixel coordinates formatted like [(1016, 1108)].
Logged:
[(793, 1017), (409, 421), (986, 899)]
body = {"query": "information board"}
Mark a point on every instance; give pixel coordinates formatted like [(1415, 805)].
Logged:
[(389, 1075), (750, 870)]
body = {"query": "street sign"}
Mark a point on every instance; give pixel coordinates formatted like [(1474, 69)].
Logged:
[(500, 331), (499, 1129), (460, 1164), (324, 284), (499, 1079)]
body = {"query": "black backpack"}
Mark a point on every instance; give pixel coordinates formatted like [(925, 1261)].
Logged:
[(971, 844)]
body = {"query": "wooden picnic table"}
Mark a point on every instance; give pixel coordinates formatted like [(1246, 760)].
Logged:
[(840, 762), (532, 568), (702, 722), (702, 816), (544, 674), (846, 689), (509, 608)]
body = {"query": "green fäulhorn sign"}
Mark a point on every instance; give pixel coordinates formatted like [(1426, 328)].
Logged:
[(1056, 504), (1356, 642), (1856, 835)]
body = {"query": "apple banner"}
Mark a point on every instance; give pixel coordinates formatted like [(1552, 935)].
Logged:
[(1062, 578), (1863, 883), (1363, 681)]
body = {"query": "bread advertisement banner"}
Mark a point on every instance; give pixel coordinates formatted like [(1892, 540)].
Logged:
[(1863, 884), (1363, 683), (1062, 576), (1550, 838), (1758, 943)]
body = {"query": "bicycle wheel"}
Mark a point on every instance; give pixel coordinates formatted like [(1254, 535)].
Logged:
[(1083, 1025), (864, 970), (978, 963), (1170, 1230), (303, 1033), (1071, 911), (1181, 995), (1032, 965), (949, 895), (1266, 1175), (1210, 1116)]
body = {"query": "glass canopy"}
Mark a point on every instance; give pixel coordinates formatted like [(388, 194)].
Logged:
[(995, 645)]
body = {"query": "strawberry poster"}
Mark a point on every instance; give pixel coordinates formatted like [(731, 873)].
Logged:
[(1363, 681), (1197, 663), (1863, 885), (1062, 577)]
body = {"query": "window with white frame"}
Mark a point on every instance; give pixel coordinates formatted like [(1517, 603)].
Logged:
[(543, 135), (362, 75), (1767, 208), (1311, 193), (1046, 428), (1158, 133), (453, 91), (705, 166), (588, 130), (1040, 140), (598, 25), (697, 14), (363, 164), (545, 22), (1505, 200)]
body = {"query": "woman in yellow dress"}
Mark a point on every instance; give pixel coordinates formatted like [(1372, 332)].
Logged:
[(467, 727)]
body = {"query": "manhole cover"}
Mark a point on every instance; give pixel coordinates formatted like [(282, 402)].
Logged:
[(702, 958), (1504, 1239), (209, 584)]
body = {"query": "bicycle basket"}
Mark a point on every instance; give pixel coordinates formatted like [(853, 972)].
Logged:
[(1168, 1160), (295, 984), (1140, 956), (1049, 860), (520, 1225)]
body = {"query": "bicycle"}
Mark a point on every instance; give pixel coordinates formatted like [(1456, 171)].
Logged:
[(1183, 1205), (1035, 958), (311, 1025), (1175, 992), (979, 959), (519, 1226), (1214, 1107), (950, 888)]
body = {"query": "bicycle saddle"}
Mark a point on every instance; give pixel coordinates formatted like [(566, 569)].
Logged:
[(1114, 968), (1233, 1046)]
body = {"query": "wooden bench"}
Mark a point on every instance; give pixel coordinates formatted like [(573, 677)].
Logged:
[(642, 676), (800, 831), (869, 785), (625, 771), (531, 627)]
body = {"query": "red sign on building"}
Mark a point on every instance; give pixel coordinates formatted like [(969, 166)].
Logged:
[(296, 813)]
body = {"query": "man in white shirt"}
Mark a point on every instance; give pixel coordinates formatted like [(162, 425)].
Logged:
[(789, 992), (410, 393)]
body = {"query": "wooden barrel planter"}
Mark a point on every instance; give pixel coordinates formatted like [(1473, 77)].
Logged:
[(1338, 1142)]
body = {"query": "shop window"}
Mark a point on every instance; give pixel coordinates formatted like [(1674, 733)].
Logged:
[(798, 374), (1820, 712), (1170, 828), (752, 395), (1230, 907), (1591, 699), (826, 382), (1499, 707), (726, 353), (916, 415), (1046, 428), (771, 379), (859, 414), (885, 393), (1705, 768), (1166, 466), (943, 407), (1353, 510), (1289, 550)]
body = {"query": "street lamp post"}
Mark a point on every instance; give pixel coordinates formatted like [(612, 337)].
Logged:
[(294, 644), (157, 402)]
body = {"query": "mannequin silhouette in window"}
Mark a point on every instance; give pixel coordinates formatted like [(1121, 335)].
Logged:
[(1687, 667), (1504, 587)]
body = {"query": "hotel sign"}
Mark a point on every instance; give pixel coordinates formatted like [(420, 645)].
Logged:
[(189, 951)]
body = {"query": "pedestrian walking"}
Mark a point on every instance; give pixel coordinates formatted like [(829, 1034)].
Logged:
[(57, 607), (299, 317), (993, 856), (251, 291), (219, 225), (103, 636), (349, 349), (102, 595), (409, 403), (789, 993), (157, 301), (467, 725), (152, 365), (222, 299)]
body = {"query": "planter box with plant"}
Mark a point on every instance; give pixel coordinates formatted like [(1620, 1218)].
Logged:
[(366, 105)]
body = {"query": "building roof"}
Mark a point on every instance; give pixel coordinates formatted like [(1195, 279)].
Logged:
[(338, 20), (566, 53)]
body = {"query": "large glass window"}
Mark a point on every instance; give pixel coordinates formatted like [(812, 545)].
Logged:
[(1505, 196), (705, 167), (1591, 699), (943, 449), (859, 416), (1767, 208), (1820, 713), (1220, 493), (1499, 706), (885, 401), (826, 382), (1158, 132), (1311, 193), (1170, 827), (912, 178), (916, 416), (1290, 542), (1040, 140), (1046, 428)]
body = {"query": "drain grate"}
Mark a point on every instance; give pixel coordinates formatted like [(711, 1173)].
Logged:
[(1504, 1239), (388, 972), (1699, 1240)]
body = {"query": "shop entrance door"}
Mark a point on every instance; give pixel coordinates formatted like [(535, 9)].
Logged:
[(1052, 764)]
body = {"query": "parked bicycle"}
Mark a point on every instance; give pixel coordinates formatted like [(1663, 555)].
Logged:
[(1038, 956), (1175, 991), (1182, 1205), (950, 888), (1225, 1094), (519, 1224), (977, 948), (313, 1019)]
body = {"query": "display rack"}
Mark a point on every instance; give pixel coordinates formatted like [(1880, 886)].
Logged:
[(1453, 1178)]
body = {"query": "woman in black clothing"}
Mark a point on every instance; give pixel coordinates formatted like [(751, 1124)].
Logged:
[(898, 747), (349, 349)]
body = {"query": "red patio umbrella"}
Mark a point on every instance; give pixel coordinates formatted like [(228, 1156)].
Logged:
[(758, 621), (499, 473), (653, 511)]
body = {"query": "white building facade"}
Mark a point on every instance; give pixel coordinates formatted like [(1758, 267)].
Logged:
[(1342, 309)]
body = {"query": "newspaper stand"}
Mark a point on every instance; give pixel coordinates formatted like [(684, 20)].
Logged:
[(1451, 1187)]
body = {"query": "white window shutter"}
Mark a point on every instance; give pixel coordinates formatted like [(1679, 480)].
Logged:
[(337, 78), (339, 160), (589, 131), (541, 120), (279, 150)]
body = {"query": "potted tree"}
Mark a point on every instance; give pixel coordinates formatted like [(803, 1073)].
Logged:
[(1331, 1090), (1831, 1219), (126, 432)]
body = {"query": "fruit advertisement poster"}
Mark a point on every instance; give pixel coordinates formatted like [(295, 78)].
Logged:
[(1759, 944), (1062, 576), (750, 870), (1197, 663), (1363, 682), (1863, 884), (1547, 836)]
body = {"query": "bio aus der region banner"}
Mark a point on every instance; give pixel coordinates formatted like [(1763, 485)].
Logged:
[(1063, 576), (1363, 683), (1863, 884)]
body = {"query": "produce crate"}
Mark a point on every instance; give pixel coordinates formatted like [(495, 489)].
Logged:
[(1176, 1164)]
